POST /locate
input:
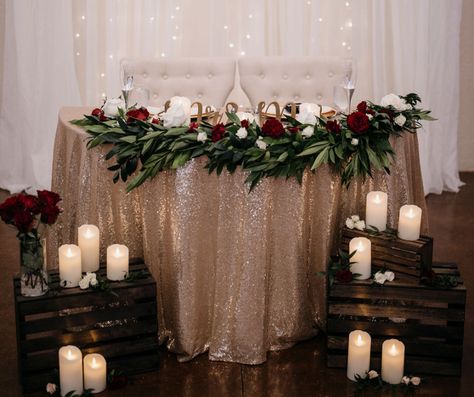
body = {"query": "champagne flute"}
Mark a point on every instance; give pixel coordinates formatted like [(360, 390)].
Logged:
[(349, 79), (340, 98), (127, 86)]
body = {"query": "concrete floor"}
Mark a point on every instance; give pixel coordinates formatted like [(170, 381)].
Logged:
[(299, 371)]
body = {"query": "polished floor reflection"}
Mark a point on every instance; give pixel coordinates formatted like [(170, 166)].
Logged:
[(299, 371)]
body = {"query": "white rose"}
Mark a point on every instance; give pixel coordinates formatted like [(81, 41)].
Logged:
[(245, 116), (405, 380), (182, 101), (261, 144), (400, 120), (84, 283), (370, 116), (306, 118), (373, 374), (202, 137), (94, 282), (350, 223), (395, 101), (242, 133), (360, 225), (355, 218), (415, 380), (307, 132), (354, 142), (51, 388), (175, 116), (390, 276), (380, 278), (111, 107)]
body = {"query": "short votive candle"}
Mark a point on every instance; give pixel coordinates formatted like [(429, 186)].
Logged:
[(95, 372), (358, 354), (70, 272), (117, 262), (409, 222), (362, 258), (393, 361)]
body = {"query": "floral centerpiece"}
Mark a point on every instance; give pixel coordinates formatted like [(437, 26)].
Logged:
[(30, 215), (353, 145)]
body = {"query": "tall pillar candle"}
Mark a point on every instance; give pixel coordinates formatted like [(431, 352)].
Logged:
[(393, 361), (70, 272), (117, 262), (362, 258), (88, 241), (70, 370), (409, 222), (95, 372), (358, 354), (376, 210)]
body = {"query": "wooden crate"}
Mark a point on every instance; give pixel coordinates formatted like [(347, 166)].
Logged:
[(409, 259), (122, 328), (432, 331)]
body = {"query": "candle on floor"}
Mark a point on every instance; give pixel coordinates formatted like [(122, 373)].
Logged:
[(358, 355), (70, 370), (88, 241), (362, 258), (409, 222), (117, 262), (393, 361), (95, 372), (376, 210), (70, 272)]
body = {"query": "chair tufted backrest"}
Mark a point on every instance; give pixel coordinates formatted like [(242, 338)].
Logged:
[(207, 80), (290, 79)]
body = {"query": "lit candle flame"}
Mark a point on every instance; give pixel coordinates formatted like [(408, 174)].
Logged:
[(69, 252), (393, 350), (69, 354), (359, 340), (94, 362), (117, 251), (88, 233), (411, 213), (377, 199), (360, 246)]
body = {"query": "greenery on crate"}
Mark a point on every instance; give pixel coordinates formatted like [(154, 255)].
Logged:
[(339, 268), (439, 281), (354, 145), (373, 381)]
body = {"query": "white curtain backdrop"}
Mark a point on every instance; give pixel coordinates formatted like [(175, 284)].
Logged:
[(64, 52)]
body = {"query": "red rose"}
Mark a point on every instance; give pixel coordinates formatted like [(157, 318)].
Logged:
[(273, 128), (344, 276), (388, 112), (293, 130), (50, 214), (333, 126), (358, 122), (30, 203), (155, 120), (193, 127), (23, 220), (48, 198), (218, 132), (137, 114), (99, 113), (244, 123), (8, 209), (362, 107)]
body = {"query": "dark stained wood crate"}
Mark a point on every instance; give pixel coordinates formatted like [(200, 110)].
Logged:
[(122, 328), (432, 328), (409, 259)]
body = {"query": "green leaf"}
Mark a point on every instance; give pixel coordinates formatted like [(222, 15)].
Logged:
[(321, 158)]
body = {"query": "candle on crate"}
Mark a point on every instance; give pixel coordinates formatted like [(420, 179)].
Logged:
[(358, 355), (117, 262), (88, 241), (393, 361), (362, 258), (70, 272), (409, 222), (70, 370), (95, 372), (376, 210)]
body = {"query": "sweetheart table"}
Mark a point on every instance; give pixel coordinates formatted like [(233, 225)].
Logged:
[(236, 272)]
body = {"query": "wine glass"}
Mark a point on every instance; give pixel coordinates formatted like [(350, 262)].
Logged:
[(349, 79), (127, 85), (340, 97)]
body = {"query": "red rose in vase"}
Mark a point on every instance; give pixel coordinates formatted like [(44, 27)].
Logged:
[(47, 198), (141, 114), (358, 122), (30, 203), (344, 276), (362, 107), (8, 209), (218, 132), (333, 126), (99, 113), (23, 221), (273, 128)]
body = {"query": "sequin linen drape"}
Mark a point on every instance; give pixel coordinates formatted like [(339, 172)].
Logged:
[(236, 272)]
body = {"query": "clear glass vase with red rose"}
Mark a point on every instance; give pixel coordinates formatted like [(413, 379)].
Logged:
[(30, 215)]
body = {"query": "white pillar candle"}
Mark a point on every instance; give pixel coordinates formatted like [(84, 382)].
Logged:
[(358, 354), (117, 262), (95, 372), (362, 258), (88, 241), (70, 370), (70, 272), (376, 210), (409, 222), (393, 361)]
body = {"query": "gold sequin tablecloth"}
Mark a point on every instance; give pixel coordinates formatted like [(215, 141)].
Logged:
[(236, 272)]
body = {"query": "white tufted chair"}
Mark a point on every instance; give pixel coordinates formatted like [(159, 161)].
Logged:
[(207, 80), (290, 79)]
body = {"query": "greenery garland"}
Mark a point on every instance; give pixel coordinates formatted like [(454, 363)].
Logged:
[(353, 145)]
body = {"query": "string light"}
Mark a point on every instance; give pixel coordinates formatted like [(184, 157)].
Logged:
[(110, 19), (177, 8), (341, 28), (111, 56), (231, 45), (242, 53), (83, 17), (308, 2), (78, 35), (250, 16), (172, 17), (248, 36), (102, 75), (344, 43), (347, 4), (320, 19), (162, 54), (152, 19), (226, 27), (78, 53), (349, 24), (174, 37)]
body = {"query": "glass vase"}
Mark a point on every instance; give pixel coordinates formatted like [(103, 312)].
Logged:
[(34, 278)]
